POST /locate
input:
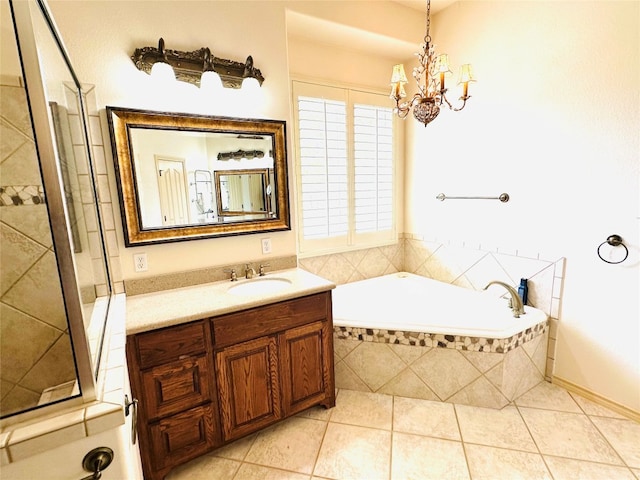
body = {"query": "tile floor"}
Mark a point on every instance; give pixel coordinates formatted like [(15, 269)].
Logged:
[(548, 433)]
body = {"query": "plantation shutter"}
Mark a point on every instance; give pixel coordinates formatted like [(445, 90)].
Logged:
[(373, 158), (323, 167)]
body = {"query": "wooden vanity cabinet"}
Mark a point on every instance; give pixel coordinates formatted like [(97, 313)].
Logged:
[(206, 383), (272, 362), (171, 375)]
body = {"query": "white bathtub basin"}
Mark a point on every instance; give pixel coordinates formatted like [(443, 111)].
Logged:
[(260, 286)]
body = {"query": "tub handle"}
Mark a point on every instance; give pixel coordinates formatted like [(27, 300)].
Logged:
[(615, 241)]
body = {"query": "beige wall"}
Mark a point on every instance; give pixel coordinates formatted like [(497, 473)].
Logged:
[(554, 122), (102, 35)]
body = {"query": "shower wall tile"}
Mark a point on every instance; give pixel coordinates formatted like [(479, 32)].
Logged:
[(47, 305), (36, 337), (19, 253), (55, 368), (13, 103), (21, 166)]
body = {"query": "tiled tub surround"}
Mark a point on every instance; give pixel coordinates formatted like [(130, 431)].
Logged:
[(441, 372), (488, 359), (460, 263)]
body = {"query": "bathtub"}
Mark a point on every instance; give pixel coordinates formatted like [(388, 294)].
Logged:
[(413, 336)]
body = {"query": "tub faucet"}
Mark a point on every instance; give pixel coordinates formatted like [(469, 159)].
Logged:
[(249, 271), (515, 302)]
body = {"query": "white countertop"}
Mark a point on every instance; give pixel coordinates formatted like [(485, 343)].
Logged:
[(172, 307)]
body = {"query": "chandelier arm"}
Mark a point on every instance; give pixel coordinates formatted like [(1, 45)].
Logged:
[(464, 102)]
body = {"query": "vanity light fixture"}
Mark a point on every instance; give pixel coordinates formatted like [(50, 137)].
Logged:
[(198, 67), (430, 77), (240, 154)]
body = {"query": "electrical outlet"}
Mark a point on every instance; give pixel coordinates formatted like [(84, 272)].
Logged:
[(266, 246), (140, 262)]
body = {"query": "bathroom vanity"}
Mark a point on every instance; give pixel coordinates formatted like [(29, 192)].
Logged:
[(209, 365)]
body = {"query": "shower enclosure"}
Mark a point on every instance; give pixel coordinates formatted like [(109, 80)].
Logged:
[(55, 285)]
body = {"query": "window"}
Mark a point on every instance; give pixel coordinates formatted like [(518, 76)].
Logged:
[(345, 168)]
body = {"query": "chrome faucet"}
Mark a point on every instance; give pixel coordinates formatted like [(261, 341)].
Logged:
[(515, 302), (249, 272)]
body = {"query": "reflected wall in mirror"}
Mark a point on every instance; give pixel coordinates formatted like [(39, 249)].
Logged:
[(169, 168)]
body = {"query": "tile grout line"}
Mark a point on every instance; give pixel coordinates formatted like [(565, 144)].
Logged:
[(324, 435), (393, 409), (526, 425), (462, 442)]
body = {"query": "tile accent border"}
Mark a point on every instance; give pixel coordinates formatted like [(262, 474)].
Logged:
[(438, 340), (18, 195)]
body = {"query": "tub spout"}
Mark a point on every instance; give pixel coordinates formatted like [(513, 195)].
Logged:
[(515, 302)]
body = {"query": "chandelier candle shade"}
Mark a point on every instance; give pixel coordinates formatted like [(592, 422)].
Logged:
[(430, 76)]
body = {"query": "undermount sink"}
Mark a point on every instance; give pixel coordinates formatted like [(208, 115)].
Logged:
[(260, 286)]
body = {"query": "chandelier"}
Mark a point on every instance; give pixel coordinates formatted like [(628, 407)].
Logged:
[(430, 77)]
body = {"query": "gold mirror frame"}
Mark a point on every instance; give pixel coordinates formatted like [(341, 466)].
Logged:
[(122, 120)]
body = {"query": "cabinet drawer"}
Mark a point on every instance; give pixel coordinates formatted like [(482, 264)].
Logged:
[(176, 386), (270, 319), (162, 346), (184, 436)]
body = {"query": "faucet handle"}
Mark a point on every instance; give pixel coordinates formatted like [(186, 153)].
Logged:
[(262, 272), (232, 271)]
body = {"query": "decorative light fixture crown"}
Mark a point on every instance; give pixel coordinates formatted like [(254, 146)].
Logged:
[(190, 66), (430, 76)]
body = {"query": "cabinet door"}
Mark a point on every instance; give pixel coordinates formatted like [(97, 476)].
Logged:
[(176, 386), (248, 386), (179, 438), (306, 358)]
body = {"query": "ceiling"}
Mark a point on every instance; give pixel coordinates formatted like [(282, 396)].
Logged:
[(421, 5), (318, 30)]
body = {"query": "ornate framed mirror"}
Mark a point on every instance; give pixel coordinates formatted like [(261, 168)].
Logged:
[(175, 171)]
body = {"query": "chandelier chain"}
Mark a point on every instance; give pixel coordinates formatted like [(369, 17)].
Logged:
[(427, 36)]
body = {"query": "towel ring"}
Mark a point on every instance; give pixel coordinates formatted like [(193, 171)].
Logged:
[(614, 241)]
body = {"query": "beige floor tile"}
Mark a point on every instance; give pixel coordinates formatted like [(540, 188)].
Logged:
[(425, 458), (205, 468), (291, 445), (636, 472), (568, 469), (364, 409), (548, 396), (355, 453), (489, 463), (236, 450), (569, 435), (317, 413), (624, 437), (495, 428), (256, 472), (592, 408), (423, 417)]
